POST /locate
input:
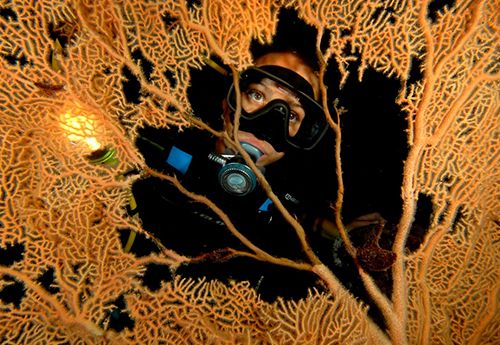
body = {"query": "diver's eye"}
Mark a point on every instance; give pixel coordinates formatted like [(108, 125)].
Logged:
[(293, 117), (255, 95)]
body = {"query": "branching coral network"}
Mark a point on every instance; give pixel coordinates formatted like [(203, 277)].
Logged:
[(62, 66)]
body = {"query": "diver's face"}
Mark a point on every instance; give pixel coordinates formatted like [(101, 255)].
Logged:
[(258, 94)]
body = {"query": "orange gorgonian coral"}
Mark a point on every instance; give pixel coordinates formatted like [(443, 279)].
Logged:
[(61, 98)]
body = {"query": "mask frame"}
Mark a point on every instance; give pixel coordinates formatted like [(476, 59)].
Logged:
[(271, 122)]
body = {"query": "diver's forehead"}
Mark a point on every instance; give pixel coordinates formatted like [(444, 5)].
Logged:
[(292, 62)]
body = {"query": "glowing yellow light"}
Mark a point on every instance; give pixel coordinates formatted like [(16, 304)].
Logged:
[(80, 127)]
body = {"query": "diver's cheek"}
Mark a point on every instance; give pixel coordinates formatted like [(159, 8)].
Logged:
[(293, 128), (249, 106)]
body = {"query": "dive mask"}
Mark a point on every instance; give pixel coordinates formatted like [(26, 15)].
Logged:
[(271, 121)]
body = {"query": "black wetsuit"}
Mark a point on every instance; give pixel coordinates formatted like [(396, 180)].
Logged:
[(191, 228)]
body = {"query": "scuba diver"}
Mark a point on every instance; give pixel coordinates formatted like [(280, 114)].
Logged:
[(281, 121)]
